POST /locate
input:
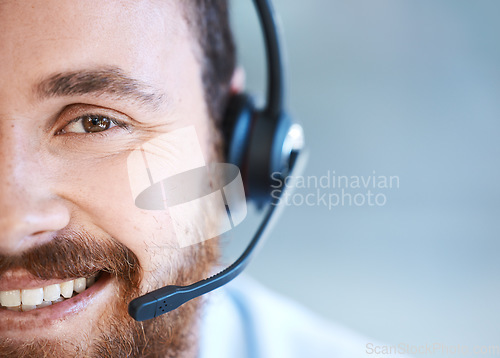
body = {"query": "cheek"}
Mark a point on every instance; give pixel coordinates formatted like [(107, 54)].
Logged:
[(104, 190), (105, 205)]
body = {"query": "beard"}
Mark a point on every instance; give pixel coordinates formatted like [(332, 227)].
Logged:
[(116, 334)]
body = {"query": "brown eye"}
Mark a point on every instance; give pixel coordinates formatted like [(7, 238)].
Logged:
[(90, 123), (93, 124)]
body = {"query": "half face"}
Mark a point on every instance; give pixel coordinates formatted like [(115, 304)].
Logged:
[(84, 83)]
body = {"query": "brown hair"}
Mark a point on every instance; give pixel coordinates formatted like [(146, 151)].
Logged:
[(209, 19)]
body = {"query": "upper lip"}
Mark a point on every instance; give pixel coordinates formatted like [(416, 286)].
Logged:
[(21, 279)]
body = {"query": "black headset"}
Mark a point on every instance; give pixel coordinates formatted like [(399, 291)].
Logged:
[(261, 142)]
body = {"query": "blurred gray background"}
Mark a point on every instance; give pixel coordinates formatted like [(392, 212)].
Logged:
[(405, 88)]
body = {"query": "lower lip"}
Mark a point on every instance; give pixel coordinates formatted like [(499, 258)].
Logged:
[(45, 316)]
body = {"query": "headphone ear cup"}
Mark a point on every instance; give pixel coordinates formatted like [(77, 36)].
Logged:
[(269, 155), (262, 147), (237, 128)]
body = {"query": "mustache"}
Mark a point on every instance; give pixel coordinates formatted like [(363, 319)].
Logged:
[(76, 254)]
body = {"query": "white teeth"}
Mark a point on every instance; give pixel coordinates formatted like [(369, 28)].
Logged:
[(10, 298), (44, 304), (51, 293), (80, 284), (26, 308), (32, 296), (29, 299), (67, 289)]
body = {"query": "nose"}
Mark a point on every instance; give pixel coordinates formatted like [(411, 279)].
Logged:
[(26, 224), (30, 213)]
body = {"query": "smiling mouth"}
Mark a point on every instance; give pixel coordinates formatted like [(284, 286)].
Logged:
[(24, 300)]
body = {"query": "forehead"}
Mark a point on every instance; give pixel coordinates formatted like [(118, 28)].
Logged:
[(41, 37)]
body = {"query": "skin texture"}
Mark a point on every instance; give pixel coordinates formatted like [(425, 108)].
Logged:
[(65, 201)]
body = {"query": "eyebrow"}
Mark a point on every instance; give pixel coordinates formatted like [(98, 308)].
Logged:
[(108, 81)]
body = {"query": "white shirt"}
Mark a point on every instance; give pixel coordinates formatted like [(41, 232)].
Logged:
[(245, 320)]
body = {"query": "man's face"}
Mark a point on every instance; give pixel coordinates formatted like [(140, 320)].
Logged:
[(83, 83)]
